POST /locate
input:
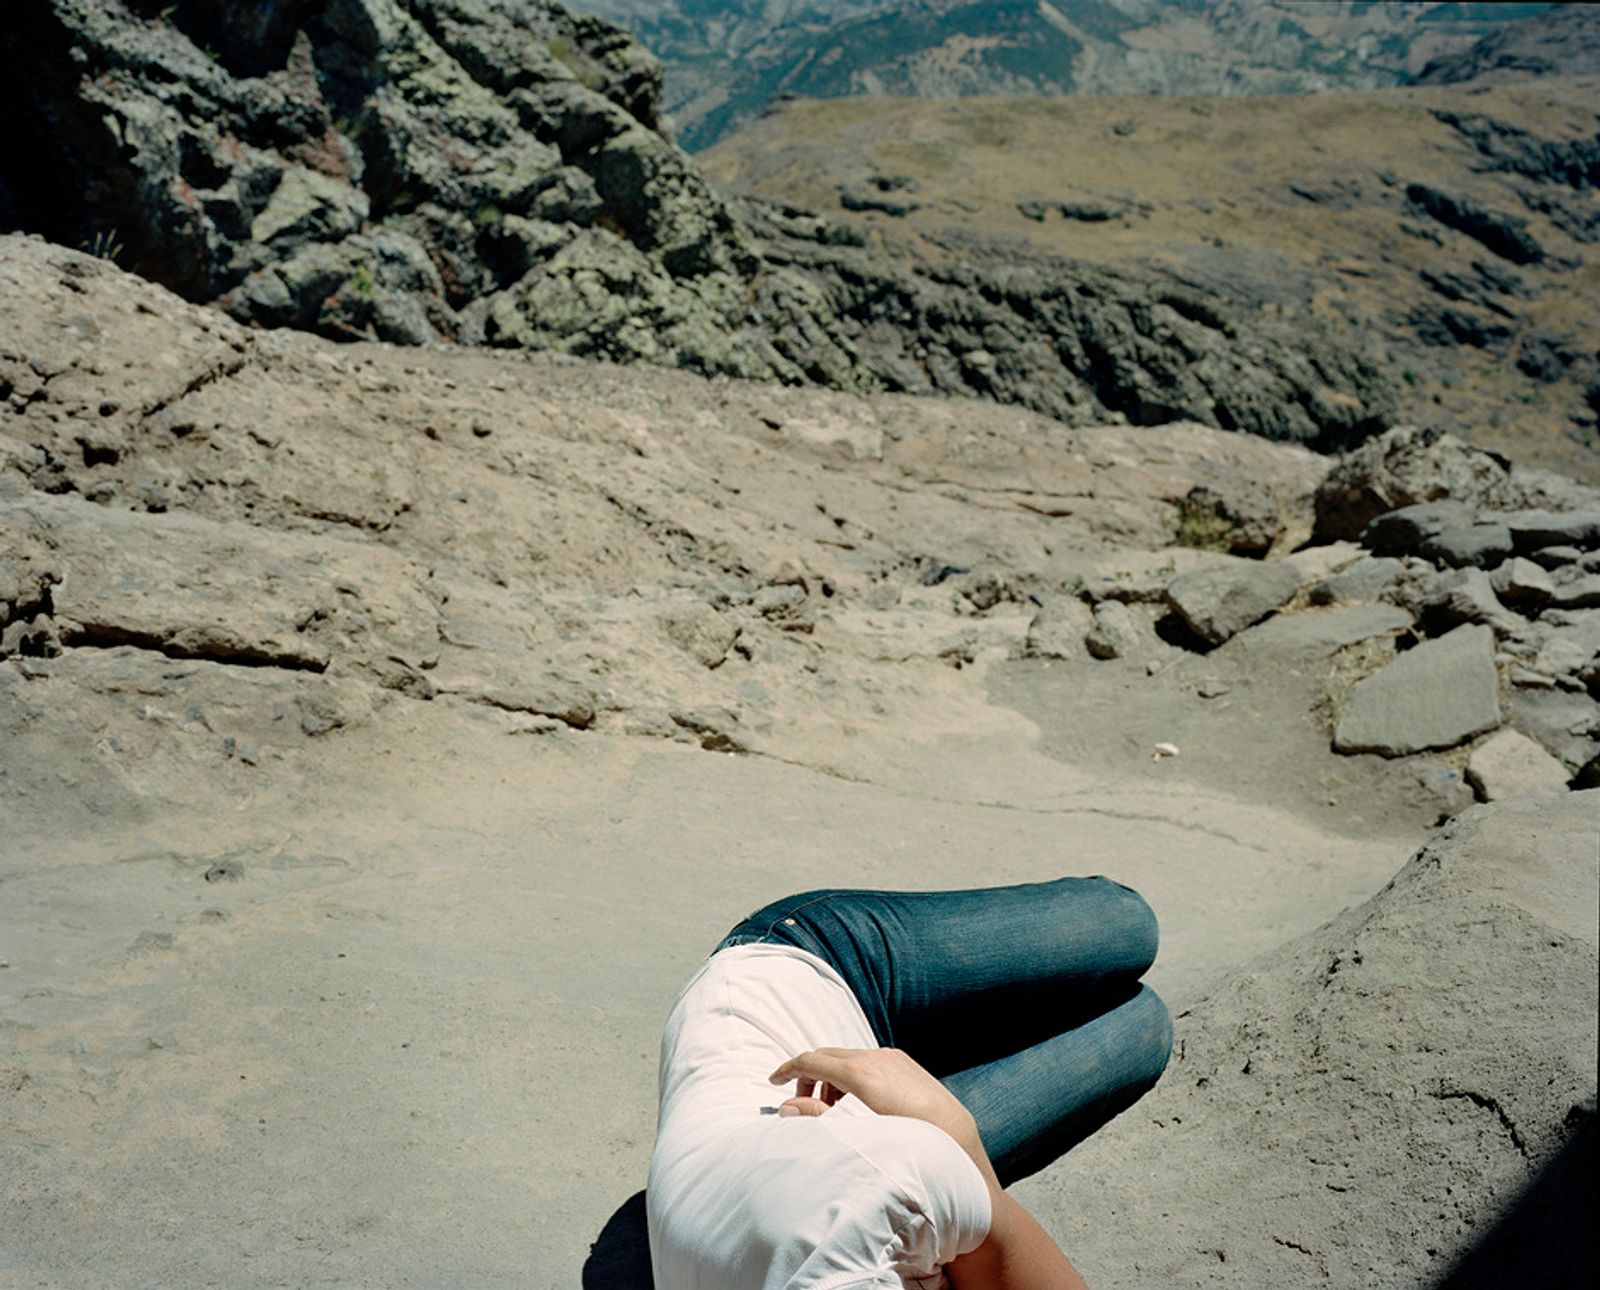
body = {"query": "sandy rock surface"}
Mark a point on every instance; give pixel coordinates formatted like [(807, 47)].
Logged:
[(1331, 1111), (385, 734)]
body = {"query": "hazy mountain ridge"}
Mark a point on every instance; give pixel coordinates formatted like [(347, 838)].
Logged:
[(726, 61), (1562, 39)]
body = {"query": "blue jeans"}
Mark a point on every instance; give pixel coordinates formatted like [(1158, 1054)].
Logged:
[(1025, 1001)]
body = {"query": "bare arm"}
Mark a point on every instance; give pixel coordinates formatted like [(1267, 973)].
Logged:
[(1017, 1254)]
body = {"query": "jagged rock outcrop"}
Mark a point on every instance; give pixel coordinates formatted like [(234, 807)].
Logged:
[(1505, 235), (469, 171), (1506, 149), (341, 164), (1412, 464), (1074, 342)]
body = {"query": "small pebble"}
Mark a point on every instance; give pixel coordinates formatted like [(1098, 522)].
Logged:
[(1164, 750), (1212, 689)]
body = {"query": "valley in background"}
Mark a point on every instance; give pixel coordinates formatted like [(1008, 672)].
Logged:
[(727, 60)]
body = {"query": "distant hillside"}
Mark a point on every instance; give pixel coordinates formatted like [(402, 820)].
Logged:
[(1563, 39), (1455, 228), (728, 60)]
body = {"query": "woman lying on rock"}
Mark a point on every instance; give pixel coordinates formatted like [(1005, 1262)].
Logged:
[(940, 1045)]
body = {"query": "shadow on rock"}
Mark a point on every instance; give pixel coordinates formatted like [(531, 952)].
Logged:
[(619, 1259), (1546, 1235)]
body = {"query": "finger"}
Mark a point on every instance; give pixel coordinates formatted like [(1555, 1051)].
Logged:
[(833, 1064), (802, 1106), (805, 1086), (808, 1059)]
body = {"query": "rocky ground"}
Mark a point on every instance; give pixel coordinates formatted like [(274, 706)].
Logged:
[(388, 731)]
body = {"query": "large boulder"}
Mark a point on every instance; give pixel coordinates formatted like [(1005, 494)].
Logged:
[(1221, 602), (1408, 465), (1535, 528), (1521, 582), (1509, 764), (1058, 629), (1403, 530), (1480, 546), (1360, 582), (1426, 1052), (1461, 596), (1115, 633)]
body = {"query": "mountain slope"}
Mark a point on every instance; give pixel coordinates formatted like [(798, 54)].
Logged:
[(1562, 40), (1455, 228)]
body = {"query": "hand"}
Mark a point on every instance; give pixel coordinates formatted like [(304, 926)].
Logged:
[(1017, 1254), (889, 1081)]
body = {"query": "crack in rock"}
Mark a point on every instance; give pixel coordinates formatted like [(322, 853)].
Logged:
[(208, 644), (1448, 1094), (210, 376)]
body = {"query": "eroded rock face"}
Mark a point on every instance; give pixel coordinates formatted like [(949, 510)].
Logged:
[(336, 164), (476, 171)]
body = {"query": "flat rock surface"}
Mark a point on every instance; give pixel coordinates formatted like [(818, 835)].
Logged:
[(1534, 528), (1481, 546), (1435, 695), (1326, 630), (1402, 531)]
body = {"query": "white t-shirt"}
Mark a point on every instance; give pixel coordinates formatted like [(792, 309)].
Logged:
[(740, 1198)]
